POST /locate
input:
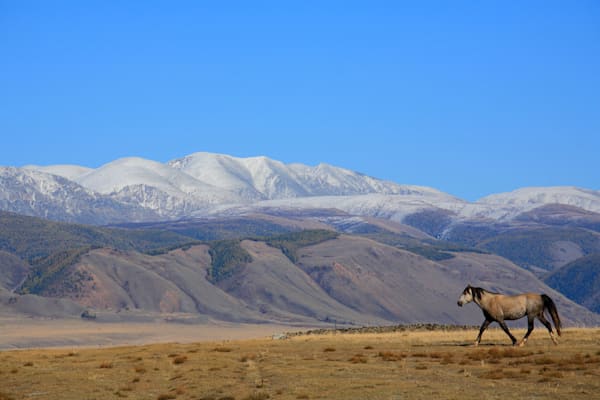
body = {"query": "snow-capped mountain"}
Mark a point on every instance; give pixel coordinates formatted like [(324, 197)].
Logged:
[(71, 172), (31, 192), (200, 184), (260, 178), (155, 186), (536, 196), (505, 206), (124, 172), (387, 206)]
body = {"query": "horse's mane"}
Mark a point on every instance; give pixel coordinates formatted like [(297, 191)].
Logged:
[(478, 292)]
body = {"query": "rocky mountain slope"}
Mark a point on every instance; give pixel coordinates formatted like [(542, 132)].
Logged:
[(44, 195)]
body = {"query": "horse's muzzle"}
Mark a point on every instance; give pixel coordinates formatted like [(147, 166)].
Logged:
[(459, 303)]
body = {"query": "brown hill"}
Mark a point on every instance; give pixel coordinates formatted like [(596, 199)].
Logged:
[(37, 306), (381, 273), (169, 283), (276, 287), (383, 281), (348, 280), (376, 279)]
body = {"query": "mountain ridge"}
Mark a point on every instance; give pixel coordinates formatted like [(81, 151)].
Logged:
[(135, 189)]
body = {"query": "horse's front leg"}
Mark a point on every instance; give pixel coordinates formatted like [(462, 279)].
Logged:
[(484, 326), (505, 329)]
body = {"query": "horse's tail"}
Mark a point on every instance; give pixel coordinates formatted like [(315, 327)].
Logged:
[(551, 307)]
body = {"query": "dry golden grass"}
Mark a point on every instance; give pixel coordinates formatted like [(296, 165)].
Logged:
[(416, 365)]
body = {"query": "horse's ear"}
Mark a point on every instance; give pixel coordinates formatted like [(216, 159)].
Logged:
[(468, 289)]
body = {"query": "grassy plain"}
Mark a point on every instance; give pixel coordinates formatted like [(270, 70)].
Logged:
[(400, 365)]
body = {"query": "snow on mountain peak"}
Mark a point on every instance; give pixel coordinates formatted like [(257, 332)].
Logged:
[(261, 178), (132, 171), (70, 172), (510, 204), (568, 195), (218, 170), (201, 183)]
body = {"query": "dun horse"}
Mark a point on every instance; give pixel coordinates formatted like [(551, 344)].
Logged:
[(498, 307)]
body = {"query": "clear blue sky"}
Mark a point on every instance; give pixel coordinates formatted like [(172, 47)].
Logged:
[(469, 97)]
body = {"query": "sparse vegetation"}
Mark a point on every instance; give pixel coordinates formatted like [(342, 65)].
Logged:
[(50, 247), (391, 356), (431, 253), (435, 250), (258, 396), (179, 360), (35, 239), (49, 270), (579, 280), (289, 243), (381, 365), (358, 358), (209, 230), (526, 247), (432, 222), (223, 349), (227, 257)]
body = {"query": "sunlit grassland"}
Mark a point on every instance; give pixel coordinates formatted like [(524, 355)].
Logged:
[(412, 364)]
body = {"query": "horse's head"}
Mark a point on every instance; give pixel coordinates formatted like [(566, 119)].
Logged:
[(466, 296)]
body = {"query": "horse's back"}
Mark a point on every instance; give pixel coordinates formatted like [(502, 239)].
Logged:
[(517, 306), (531, 303)]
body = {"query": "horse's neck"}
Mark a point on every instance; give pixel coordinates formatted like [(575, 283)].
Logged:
[(484, 299)]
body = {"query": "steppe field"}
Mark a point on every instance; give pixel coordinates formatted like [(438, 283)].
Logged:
[(412, 364)]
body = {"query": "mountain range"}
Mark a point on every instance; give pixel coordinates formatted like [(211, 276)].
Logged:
[(257, 240), (206, 184)]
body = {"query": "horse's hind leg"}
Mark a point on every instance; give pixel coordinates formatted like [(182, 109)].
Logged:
[(548, 326), (505, 329), (530, 320)]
